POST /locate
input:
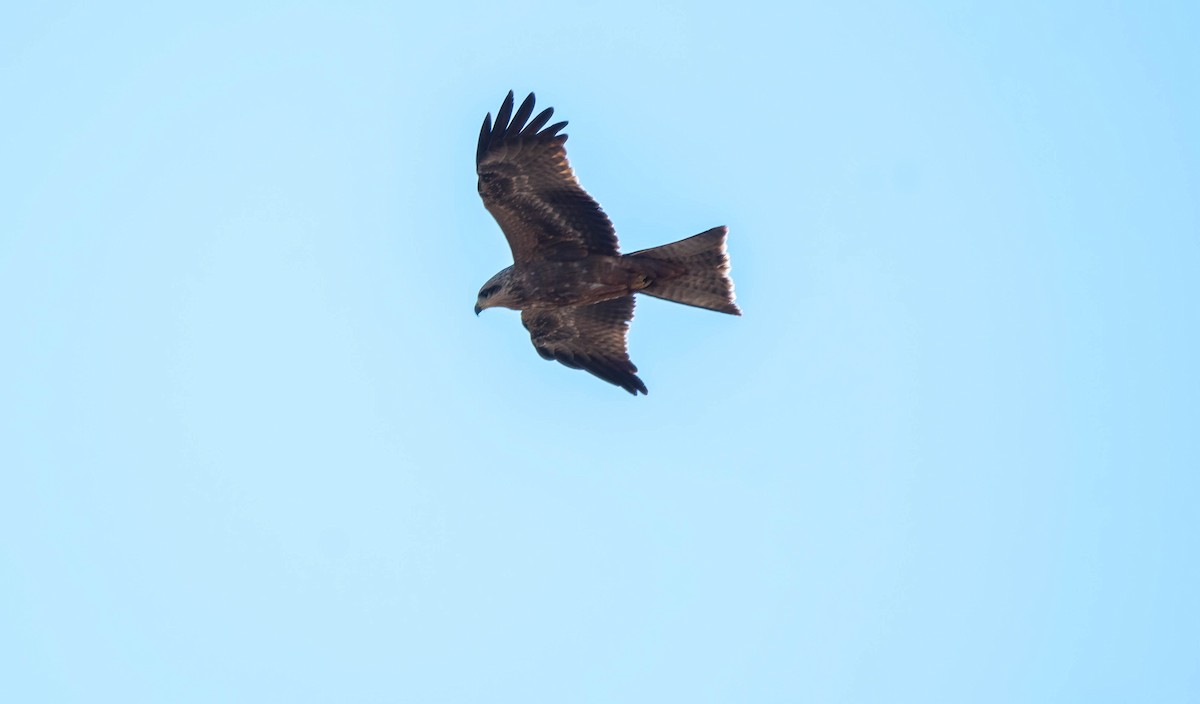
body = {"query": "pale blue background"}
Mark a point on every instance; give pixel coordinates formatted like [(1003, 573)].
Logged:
[(256, 447)]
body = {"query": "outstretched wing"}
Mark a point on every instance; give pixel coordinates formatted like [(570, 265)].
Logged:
[(589, 337), (528, 186)]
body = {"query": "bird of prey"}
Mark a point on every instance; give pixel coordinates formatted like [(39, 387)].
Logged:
[(573, 287)]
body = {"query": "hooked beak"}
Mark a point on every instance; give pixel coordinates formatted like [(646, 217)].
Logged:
[(477, 309)]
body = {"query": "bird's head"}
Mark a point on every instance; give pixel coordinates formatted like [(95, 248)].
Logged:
[(496, 292)]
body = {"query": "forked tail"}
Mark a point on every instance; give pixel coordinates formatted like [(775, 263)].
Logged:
[(694, 271)]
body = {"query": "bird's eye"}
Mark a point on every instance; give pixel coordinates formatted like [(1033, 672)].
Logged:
[(487, 292)]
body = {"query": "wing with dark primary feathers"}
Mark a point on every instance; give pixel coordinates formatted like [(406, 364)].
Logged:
[(589, 337), (528, 186)]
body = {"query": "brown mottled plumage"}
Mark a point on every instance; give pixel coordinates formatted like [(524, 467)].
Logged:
[(573, 287)]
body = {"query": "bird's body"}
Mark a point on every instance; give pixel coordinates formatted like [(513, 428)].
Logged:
[(547, 284), (573, 287)]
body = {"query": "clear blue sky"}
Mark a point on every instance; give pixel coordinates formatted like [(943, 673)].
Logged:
[(255, 446)]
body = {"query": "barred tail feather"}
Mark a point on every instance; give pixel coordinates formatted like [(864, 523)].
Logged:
[(694, 271)]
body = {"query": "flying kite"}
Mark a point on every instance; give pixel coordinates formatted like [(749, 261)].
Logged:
[(573, 287)]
